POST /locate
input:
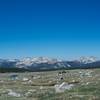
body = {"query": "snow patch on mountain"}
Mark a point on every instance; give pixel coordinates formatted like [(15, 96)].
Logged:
[(87, 60)]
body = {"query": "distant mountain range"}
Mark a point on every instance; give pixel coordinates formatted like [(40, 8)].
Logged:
[(44, 63)]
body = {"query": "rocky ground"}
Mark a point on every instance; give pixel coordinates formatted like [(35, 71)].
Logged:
[(81, 84)]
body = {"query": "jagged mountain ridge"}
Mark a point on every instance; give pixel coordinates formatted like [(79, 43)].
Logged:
[(45, 63)]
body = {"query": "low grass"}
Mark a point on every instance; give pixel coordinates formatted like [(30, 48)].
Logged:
[(47, 80)]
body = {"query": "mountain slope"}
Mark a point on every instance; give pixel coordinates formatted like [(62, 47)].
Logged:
[(44, 63)]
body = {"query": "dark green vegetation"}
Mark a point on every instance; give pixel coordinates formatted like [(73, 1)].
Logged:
[(4, 70), (41, 87), (17, 70)]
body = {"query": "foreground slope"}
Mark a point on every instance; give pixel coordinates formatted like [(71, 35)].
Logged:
[(41, 85)]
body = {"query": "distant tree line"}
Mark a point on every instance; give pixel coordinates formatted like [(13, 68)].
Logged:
[(14, 69), (4, 70)]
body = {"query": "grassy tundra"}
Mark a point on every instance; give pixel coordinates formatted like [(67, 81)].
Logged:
[(41, 85)]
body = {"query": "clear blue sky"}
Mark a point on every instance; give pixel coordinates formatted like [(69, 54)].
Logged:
[(53, 28)]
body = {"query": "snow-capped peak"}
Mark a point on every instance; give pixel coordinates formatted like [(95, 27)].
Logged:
[(28, 61), (39, 60), (87, 60)]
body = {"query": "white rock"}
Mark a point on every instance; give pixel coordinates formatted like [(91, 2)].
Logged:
[(25, 79), (41, 87), (30, 82), (62, 87), (12, 93)]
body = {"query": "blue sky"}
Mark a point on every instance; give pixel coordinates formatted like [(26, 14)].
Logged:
[(54, 28)]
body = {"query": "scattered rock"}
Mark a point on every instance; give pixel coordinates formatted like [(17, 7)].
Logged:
[(14, 94), (62, 87)]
